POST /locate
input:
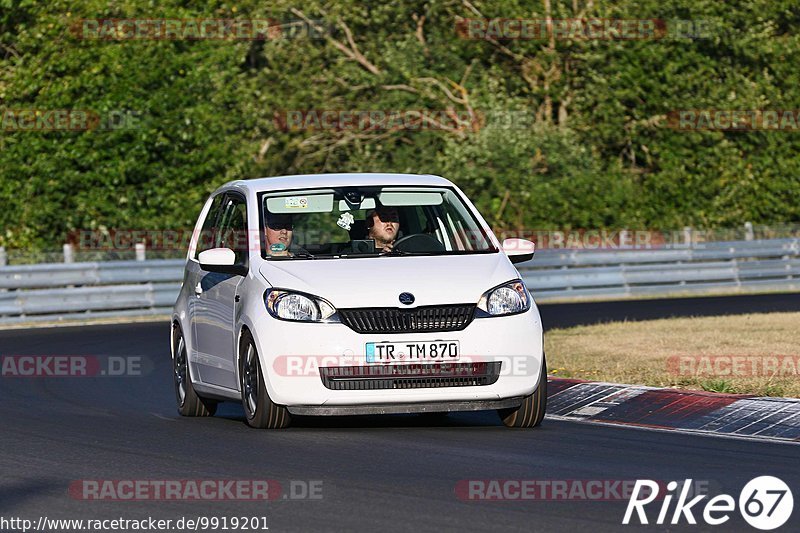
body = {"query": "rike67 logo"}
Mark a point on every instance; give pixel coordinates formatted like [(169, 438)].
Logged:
[(765, 503)]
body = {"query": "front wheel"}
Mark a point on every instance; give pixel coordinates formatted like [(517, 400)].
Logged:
[(531, 413), (259, 410), (189, 403)]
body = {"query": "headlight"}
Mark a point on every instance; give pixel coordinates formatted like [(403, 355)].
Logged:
[(506, 299), (298, 307)]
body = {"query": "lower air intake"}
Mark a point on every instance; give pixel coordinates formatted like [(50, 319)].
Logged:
[(410, 376)]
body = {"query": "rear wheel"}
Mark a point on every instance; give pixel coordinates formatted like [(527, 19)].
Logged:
[(259, 410), (189, 403), (531, 413)]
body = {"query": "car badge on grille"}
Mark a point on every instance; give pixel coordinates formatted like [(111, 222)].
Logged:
[(406, 298)]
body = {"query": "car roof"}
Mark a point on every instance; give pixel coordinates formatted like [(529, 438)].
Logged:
[(311, 181)]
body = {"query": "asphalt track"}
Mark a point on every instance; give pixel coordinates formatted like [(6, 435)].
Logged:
[(396, 473), (573, 314)]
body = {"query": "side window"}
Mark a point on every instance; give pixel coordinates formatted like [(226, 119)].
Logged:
[(205, 241), (233, 228)]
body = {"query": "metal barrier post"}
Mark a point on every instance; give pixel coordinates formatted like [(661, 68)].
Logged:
[(69, 254), (140, 251), (748, 231), (3, 256)]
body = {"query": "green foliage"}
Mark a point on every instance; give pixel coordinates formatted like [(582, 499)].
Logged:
[(719, 385), (592, 151)]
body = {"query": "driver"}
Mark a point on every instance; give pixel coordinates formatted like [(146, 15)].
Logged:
[(383, 223), (279, 234)]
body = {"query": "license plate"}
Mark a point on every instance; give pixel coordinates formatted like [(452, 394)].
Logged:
[(392, 352)]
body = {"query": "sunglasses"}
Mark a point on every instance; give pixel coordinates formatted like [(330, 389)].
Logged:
[(279, 224)]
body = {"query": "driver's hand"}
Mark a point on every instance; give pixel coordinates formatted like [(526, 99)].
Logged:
[(388, 247)]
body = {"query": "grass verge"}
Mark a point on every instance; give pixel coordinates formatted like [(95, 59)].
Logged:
[(749, 354)]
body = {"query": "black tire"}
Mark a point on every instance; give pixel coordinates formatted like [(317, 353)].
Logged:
[(531, 413), (259, 410), (189, 403)]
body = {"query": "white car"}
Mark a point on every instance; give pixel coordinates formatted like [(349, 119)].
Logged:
[(346, 294)]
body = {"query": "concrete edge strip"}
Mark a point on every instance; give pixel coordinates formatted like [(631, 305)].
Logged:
[(93, 319), (734, 415)]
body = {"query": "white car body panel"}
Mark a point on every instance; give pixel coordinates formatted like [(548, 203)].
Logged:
[(377, 282)]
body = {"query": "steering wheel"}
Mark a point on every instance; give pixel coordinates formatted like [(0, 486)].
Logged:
[(418, 242)]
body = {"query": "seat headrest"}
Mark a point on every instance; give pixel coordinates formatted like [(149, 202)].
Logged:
[(358, 230)]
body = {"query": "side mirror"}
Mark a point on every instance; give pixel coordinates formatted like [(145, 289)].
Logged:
[(518, 250), (222, 260)]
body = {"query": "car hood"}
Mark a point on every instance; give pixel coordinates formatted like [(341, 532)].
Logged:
[(378, 281)]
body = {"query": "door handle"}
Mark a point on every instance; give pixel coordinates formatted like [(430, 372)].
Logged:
[(198, 290)]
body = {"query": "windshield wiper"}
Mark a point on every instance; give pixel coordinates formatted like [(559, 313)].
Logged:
[(376, 254), (298, 255), (397, 252), (357, 255)]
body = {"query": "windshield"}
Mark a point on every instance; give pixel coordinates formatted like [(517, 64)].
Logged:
[(368, 221)]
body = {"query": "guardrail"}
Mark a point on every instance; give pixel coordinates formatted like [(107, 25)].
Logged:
[(119, 288), (768, 265), (63, 290)]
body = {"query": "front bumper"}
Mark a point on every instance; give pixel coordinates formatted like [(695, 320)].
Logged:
[(403, 408), (291, 354)]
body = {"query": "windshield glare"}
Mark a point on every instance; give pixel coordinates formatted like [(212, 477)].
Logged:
[(368, 221)]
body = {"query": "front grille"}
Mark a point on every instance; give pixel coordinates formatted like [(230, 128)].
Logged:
[(419, 320), (417, 376)]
